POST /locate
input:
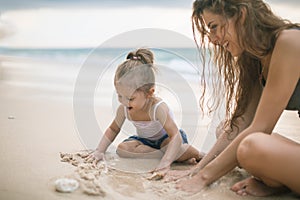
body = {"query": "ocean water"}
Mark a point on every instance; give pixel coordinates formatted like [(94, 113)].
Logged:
[(59, 68), (178, 57)]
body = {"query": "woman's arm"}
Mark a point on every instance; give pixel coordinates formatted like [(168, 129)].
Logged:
[(224, 139), (283, 75)]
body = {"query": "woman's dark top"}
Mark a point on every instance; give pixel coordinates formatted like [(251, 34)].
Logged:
[(294, 102)]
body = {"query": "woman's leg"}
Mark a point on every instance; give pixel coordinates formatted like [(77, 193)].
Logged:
[(136, 149), (273, 159)]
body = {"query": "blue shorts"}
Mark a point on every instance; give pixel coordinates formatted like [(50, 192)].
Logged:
[(156, 143)]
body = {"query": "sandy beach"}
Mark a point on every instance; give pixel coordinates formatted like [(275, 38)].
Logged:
[(37, 124)]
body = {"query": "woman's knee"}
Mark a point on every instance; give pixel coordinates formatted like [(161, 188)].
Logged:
[(251, 149)]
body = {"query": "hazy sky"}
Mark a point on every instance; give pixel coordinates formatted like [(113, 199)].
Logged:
[(88, 23)]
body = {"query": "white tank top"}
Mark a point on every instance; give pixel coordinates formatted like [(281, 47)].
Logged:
[(152, 130)]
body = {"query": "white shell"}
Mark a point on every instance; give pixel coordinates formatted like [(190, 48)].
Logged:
[(156, 177), (66, 185)]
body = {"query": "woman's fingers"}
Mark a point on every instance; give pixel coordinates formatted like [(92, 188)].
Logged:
[(174, 175)]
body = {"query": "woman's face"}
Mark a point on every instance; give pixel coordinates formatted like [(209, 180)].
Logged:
[(221, 33)]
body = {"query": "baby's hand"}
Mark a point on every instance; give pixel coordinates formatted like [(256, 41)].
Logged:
[(95, 157), (159, 174)]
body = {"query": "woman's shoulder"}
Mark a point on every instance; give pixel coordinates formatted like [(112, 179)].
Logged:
[(285, 57), (287, 46), (289, 37)]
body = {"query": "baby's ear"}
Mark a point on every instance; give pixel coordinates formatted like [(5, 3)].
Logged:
[(151, 92)]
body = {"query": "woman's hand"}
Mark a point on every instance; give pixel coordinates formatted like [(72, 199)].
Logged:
[(174, 175), (95, 157), (192, 184)]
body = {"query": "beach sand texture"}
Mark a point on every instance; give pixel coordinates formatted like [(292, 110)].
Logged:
[(37, 124)]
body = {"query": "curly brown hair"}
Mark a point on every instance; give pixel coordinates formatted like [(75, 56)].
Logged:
[(238, 75)]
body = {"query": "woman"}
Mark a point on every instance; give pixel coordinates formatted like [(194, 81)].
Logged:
[(258, 57)]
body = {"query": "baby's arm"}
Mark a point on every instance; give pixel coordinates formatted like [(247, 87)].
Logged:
[(175, 143), (109, 136)]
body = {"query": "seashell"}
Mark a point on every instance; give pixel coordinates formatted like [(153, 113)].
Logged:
[(155, 177), (66, 185)]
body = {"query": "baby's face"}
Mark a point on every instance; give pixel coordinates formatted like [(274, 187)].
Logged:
[(134, 100)]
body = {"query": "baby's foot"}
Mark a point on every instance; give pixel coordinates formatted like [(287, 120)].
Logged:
[(254, 187), (191, 161)]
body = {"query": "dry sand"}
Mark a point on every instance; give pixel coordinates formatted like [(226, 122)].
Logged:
[(37, 123)]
